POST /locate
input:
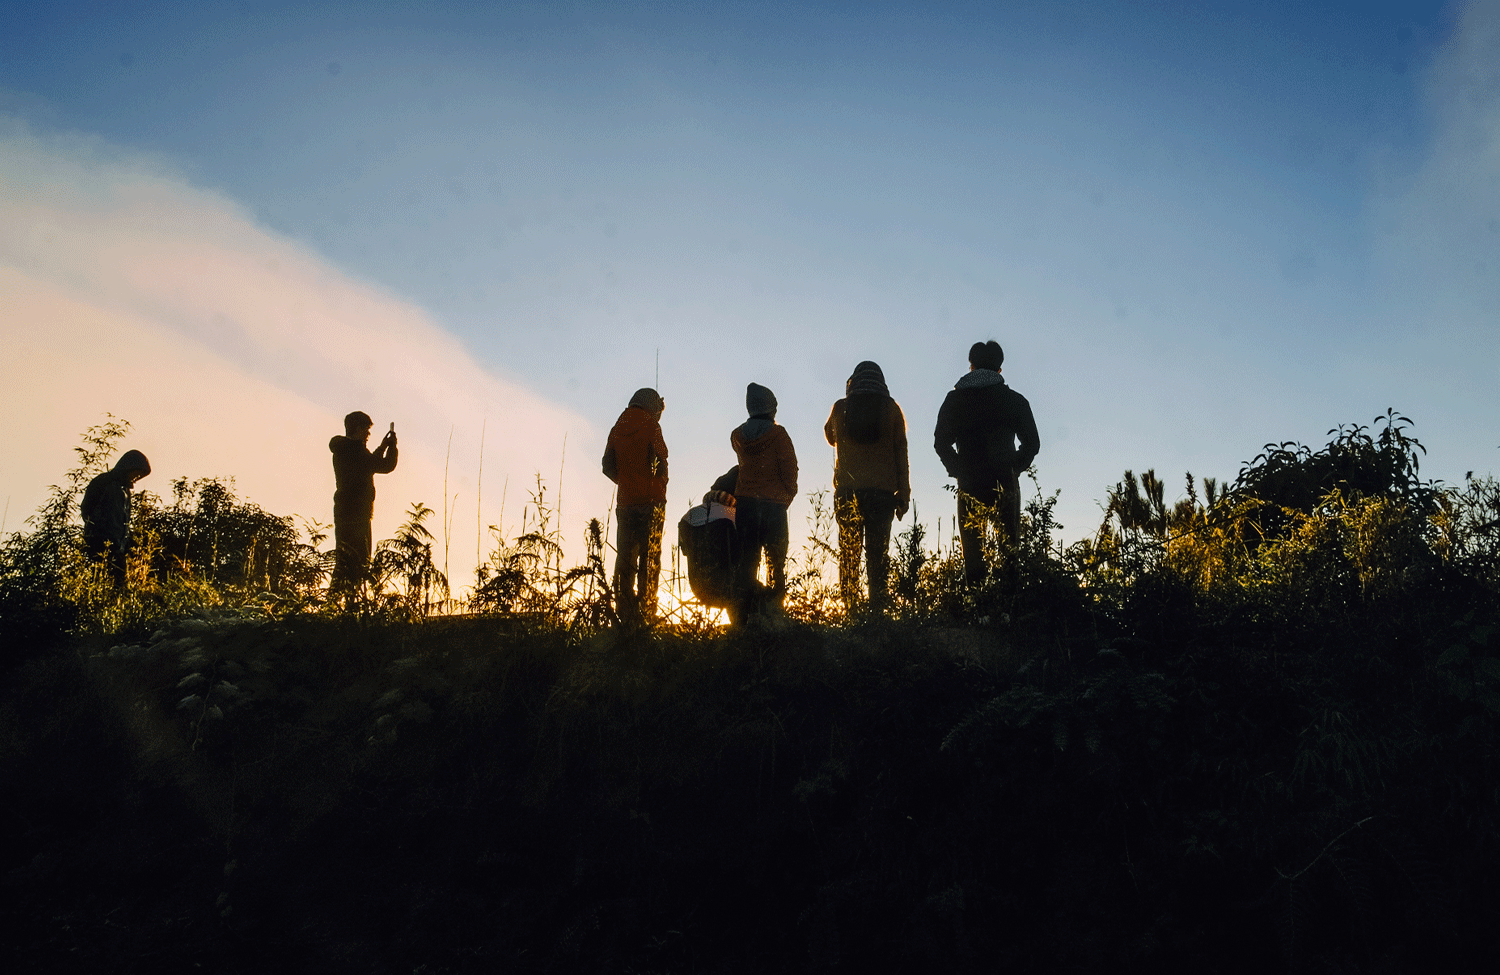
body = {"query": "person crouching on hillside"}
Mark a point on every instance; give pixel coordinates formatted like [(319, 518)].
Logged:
[(635, 458), (765, 484), (871, 479), (106, 513)]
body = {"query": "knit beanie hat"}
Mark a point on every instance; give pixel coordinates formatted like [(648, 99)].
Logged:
[(986, 355), (866, 378), (759, 399), (649, 400)]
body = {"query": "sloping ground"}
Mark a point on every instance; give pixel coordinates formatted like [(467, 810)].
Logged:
[(478, 795)]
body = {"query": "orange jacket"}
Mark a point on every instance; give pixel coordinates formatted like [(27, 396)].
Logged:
[(768, 464), (635, 458)]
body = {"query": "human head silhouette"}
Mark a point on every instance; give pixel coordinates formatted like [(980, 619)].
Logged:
[(986, 355)]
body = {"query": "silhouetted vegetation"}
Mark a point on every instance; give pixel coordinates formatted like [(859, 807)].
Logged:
[(1252, 729)]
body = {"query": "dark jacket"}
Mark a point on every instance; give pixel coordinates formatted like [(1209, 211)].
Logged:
[(978, 429), (106, 501), (354, 470)]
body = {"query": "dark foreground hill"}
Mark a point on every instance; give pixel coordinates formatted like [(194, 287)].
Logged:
[(472, 795)]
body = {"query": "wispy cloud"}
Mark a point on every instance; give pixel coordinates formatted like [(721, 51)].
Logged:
[(1439, 224), (233, 351)]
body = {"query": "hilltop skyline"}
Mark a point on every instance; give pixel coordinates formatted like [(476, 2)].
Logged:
[(1194, 229)]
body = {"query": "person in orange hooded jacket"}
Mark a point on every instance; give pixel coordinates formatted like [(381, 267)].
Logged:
[(763, 484), (635, 458)]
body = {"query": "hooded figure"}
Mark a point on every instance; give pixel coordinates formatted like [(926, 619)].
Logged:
[(763, 484), (354, 470), (635, 458), (871, 480), (106, 512), (986, 437)]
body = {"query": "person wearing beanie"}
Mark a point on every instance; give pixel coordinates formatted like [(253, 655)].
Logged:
[(986, 437), (635, 458), (763, 484), (354, 470), (106, 513), (871, 479)]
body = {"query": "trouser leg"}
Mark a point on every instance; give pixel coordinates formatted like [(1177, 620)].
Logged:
[(975, 511), (778, 542), (649, 565), (762, 527), (352, 548), (877, 509), (749, 543), (846, 513), (111, 555), (632, 536), (1009, 504)]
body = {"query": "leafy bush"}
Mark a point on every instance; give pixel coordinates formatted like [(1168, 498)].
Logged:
[(1253, 730)]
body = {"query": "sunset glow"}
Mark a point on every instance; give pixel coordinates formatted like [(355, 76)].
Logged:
[(489, 228)]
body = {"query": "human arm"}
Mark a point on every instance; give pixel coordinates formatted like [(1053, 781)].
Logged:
[(1030, 442), (659, 455), (383, 458), (610, 464), (786, 465), (943, 436), (901, 459), (831, 428)]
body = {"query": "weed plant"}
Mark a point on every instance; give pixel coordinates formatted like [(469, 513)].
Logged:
[(1253, 729)]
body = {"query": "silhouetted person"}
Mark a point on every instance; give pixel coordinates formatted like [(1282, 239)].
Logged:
[(635, 458), (978, 430), (763, 484), (106, 512), (354, 470), (871, 480), (706, 536)]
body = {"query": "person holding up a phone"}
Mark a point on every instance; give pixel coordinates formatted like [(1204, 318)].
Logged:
[(354, 470)]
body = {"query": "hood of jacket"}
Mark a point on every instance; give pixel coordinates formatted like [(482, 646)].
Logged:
[(634, 420), (341, 443), (132, 460), (649, 400), (752, 430)]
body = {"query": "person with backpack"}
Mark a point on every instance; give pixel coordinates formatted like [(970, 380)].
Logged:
[(986, 437), (635, 458), (763, 485), (871, 480)]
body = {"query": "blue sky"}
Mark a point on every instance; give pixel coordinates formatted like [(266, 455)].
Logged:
[(1195, 227)]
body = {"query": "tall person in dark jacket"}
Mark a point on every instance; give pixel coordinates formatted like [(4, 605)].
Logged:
[(354, 470), (106, 512), (871, 479), (635, 458), (764, 483), (986, 437)]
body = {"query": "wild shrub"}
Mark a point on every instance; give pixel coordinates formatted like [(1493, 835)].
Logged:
[(406, 559), (525, 576), (36, 563), (812, 582)]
